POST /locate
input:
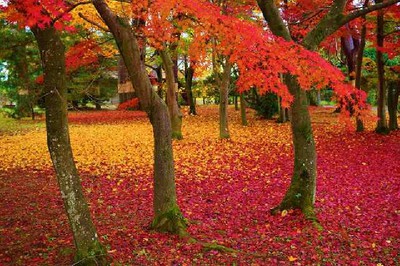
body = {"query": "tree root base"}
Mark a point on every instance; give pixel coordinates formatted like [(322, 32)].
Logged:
[(171, 222), (94, 255)]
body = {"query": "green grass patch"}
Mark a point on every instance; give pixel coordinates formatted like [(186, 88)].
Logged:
[(11, 126)]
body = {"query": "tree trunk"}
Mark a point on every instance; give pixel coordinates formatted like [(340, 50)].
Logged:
[(235, 101), (243, 110), (301, 193), (283, 118), (360, 56), (172, 103), (89, 249), (167, 216), (189, 72), (223, 104), (381, 126), (393, 101)]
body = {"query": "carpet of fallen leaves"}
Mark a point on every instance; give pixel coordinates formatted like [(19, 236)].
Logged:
[(225, 190)]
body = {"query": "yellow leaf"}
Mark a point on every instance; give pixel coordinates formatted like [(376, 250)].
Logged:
[(291, 258), (284, 213)]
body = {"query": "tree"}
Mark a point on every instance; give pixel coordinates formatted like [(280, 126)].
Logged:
[(301, 193), (167, 215), (89, 250)]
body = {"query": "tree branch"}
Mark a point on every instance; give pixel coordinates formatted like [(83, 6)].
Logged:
[(366, 10), (93, 22), (69, 9)]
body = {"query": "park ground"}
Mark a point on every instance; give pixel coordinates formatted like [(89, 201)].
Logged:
[(225, 190)]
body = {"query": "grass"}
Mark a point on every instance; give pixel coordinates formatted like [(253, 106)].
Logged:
[(11, 126)]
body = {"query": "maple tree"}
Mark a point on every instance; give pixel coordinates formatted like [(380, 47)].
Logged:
[(167, 215), (301, 193), (45, 19)]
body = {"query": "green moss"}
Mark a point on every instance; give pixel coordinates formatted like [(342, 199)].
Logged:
[(224, 136), (215, 246), (177, 135), (171, 221), (95, 254)]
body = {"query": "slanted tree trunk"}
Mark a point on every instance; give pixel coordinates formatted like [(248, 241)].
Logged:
[(382, 126), (174, 111), (89, 251), (243, 110), (167, 215), (393, 101), (224, 98), (189, 73)]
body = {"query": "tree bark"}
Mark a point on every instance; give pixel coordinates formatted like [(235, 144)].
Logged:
[(89, 251), (393, 101), (223, 104), (243, 110), (167, 215), (189, 73), (301, 193), (360, 57), (381, 126), (172, 103)]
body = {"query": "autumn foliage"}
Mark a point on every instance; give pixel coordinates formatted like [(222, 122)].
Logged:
[(132, 104), (225, 188)]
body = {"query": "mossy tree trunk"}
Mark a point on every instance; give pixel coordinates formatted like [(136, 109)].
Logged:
[(243, 110), (172, 103), (89, 251), (382, 126), (167, 216), (301, 193)]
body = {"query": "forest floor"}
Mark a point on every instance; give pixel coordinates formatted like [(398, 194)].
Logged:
[(225, 190)]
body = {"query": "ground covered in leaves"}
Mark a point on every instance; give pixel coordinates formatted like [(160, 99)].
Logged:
[(225, 190)]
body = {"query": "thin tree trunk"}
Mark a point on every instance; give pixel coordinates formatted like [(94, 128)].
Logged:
[(393, 101), (223, 104), (189, 73), (172, 103), (89, 251), (243, 110), (381, 126), (282, 112), (235, 101), (360, 56), (167, 215)]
